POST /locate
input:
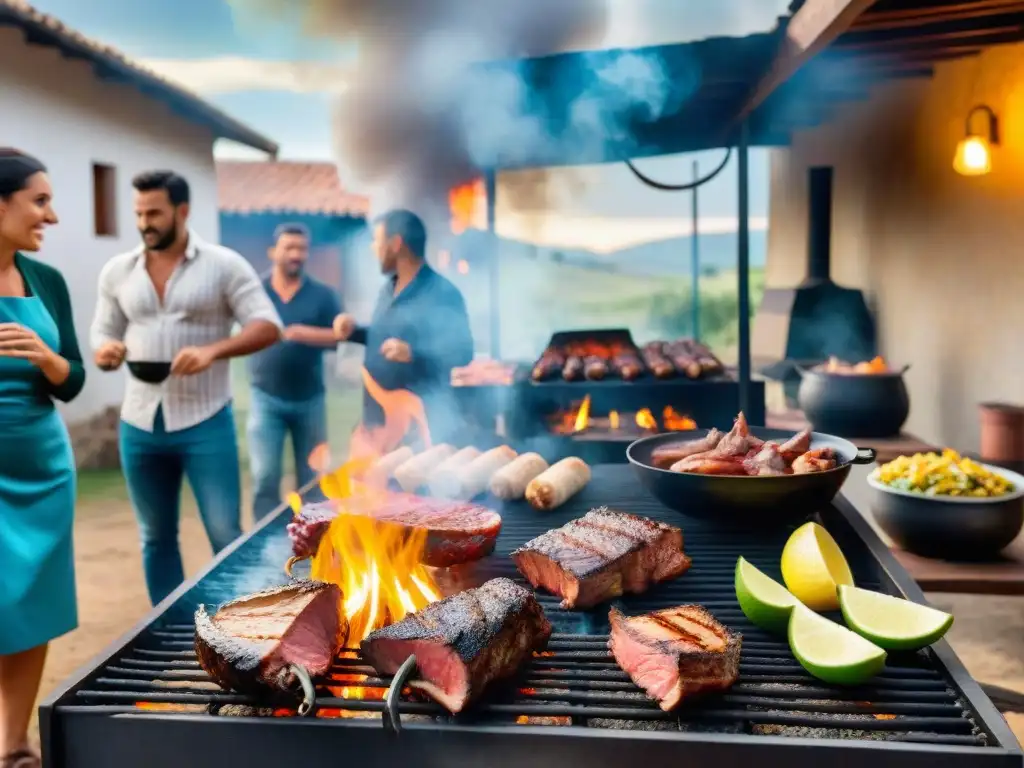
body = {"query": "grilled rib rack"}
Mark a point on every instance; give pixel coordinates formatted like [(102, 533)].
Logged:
[(147, 701)]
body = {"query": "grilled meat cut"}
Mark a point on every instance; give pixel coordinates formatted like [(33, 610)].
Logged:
[(250, 643), (602, 555), (675, 653), (595, 368), (573, 368), (464, 642), (627, 365), (457, 532), (549, 365), (656, 361)]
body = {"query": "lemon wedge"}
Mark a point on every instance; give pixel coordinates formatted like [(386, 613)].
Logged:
[(813, 567)]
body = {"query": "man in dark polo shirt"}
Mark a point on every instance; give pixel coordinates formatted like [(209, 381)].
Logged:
[(288, 397), (420, 327)]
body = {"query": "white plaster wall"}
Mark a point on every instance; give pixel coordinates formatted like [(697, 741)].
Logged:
[(58, 110)]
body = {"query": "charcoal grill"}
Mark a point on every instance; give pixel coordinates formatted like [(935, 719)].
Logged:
[(571, 707)]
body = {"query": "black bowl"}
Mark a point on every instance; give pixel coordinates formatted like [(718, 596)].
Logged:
[(747, 500), (950, 527), (854, 404), (148, 371)]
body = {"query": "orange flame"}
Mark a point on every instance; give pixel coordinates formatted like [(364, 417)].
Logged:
[(613, 419), (645, 419), (673, 421), (467, 204), (582, 416), (376, 564)]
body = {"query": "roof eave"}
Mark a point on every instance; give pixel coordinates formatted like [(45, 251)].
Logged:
[(110, 68)]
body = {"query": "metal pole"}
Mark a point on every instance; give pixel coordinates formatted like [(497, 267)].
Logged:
[(491, 190), (695, 253), (743, 266)]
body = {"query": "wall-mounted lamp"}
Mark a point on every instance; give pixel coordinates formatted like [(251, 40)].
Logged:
[(974, 153)]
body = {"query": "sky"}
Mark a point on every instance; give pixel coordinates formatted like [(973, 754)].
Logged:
[(280, 82)]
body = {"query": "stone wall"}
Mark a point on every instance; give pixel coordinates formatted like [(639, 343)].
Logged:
[(95, 440)]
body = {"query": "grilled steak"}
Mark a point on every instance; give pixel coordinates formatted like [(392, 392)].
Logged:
[(602, 555), (249, 643), (463, 642), (457, 532), (675, 653)]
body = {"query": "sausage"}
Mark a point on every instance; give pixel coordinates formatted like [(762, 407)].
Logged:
[(573, 369), (550, 363), (510, 481), (384, 468), (445, 474), (557, 484), (686, 363), (415, 472), (710, 365), (595, 368), (627, 365), (473, 478), (659, 365)]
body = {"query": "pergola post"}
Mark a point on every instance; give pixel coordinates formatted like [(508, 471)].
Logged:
[(743, 264), (695, 252), (491, 190)]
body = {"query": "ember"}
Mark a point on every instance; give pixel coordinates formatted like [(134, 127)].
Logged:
[(376, 564), (874, 366), (580, 420)]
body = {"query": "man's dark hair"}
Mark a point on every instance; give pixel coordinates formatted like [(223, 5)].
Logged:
[(16, 168), (174, 185), (291, 229), (408, 226)]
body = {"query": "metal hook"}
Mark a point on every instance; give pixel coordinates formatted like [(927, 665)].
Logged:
[(308, 690), (392, 718), (291, 564)]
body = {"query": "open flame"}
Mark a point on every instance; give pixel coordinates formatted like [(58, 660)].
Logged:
[(673, 421), (873, 366), (645, 419), (376, 564), (582, 416), (467, 205)]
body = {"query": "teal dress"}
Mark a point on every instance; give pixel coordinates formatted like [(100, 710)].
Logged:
[(37, 490)]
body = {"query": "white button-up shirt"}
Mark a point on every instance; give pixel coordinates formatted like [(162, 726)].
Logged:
[(212, 289)]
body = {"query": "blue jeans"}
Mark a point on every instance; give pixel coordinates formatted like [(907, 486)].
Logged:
[(155, 464), (271, 419)]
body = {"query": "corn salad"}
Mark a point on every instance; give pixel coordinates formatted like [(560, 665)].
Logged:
[(945, 474)]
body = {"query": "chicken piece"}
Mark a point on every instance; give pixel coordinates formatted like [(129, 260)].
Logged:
[(738, 442), (665, 456), (818, 460), (796, 446), (711, 465), (768, 461)]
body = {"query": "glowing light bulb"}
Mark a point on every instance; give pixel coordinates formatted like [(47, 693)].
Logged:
[(973, 157)]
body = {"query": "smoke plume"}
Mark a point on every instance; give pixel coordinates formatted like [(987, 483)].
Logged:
[(421, 115)]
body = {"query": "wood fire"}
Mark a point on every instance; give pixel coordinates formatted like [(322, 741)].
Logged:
[(580, 420), (377, 565), (467, 206)]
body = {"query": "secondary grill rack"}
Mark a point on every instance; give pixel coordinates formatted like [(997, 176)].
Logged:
[(572, 701)]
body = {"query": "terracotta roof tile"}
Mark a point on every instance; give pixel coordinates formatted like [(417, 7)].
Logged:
[(42, 29), (285, 187)]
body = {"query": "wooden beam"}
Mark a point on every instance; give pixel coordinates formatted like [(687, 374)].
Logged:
[(914, 17), (811, 29)]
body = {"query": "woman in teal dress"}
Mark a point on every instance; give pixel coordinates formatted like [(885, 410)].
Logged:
[(39, 362)]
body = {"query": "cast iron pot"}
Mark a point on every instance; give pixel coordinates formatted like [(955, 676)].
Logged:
[(854, 405), (950, 527), (747, 500), (148, 371)]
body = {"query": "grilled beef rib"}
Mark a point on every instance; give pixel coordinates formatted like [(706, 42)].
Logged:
[(457, 532), (675, 653), (602, 555), (463, 642), (249, 644)]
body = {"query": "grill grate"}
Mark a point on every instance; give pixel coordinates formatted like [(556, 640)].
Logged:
[(576, 683)]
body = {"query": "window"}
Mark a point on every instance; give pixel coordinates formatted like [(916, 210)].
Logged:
[(104, 200)]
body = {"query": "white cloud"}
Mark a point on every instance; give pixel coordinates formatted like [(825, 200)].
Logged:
[(231, 74)]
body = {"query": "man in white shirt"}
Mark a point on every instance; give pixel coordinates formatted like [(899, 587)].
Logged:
[(175, 299)]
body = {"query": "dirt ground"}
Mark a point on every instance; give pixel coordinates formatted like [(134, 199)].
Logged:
[(988, 633)]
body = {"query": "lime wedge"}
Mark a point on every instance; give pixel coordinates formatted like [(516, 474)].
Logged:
[(831, 652), (891, 622), (764, 601), (813, 566)]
